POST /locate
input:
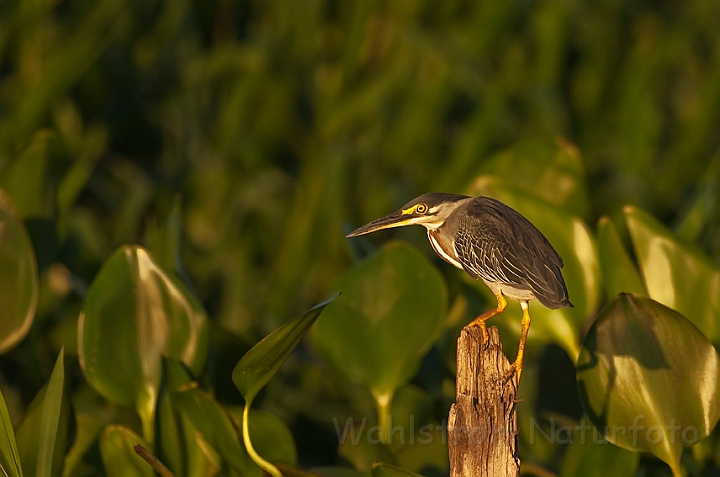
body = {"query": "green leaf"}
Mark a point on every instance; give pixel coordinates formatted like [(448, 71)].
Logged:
[(87, 429), (675, 274), (9, 456), (648, 378), (215, 426), (589, 456), (183, 449), (171, 435), (391, 311), (263, 360), (569, 235), (385, 470), (92, 414), (135, 314), (618, 271), (18, 277), (551, 169), (50, 420), (118, 456), (202, 459), (176, 374), (42, 434)]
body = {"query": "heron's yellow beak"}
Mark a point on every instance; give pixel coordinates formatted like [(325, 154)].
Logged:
[(396, 219)]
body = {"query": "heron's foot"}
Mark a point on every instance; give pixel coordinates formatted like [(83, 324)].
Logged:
[(509, 376), (480, 320), (480, 323), (515, 370)]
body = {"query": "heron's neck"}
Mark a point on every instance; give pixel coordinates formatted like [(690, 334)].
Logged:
[(444, 247)]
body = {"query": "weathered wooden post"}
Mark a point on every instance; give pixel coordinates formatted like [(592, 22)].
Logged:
[(482, 426)]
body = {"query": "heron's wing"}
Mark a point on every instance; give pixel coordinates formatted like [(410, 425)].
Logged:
[(497, 244)]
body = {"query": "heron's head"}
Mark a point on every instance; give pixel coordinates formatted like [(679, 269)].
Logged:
[(429, 210)]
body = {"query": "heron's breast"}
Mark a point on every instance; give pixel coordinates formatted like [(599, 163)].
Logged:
[(444, 246)]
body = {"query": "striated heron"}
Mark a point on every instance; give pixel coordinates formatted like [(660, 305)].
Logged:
[(491, 241)]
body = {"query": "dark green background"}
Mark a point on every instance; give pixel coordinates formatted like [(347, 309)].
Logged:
[(265, 131)]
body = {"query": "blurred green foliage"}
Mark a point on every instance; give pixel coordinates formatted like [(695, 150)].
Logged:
[(237, 142)]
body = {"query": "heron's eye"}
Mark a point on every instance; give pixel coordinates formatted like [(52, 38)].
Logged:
[(421, 208)]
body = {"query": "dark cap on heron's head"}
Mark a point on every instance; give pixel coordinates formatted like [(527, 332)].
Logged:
[(433, 199), (421, 209)]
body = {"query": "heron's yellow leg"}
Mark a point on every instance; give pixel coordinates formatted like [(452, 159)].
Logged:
[(480, 320), (525, 325)]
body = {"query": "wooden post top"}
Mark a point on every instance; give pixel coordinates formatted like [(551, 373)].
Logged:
[(482, 426)]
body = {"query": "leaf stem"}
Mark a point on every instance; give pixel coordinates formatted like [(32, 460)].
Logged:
[(382, 402), (148, 426), (265, 465), (146, 402)]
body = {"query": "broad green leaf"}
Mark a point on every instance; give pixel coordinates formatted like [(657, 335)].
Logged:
[(18, 277), (589, 455), (618, 271), (390, 312), (201, 458), (550, 169), (9, 456), (569, 235), (184, 449), (271, 437), (648, 378), (675, 274), (42, 435), (263, 360), (118, 456), (135, 314), (176, 375), (216, 428), (386, 470)]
